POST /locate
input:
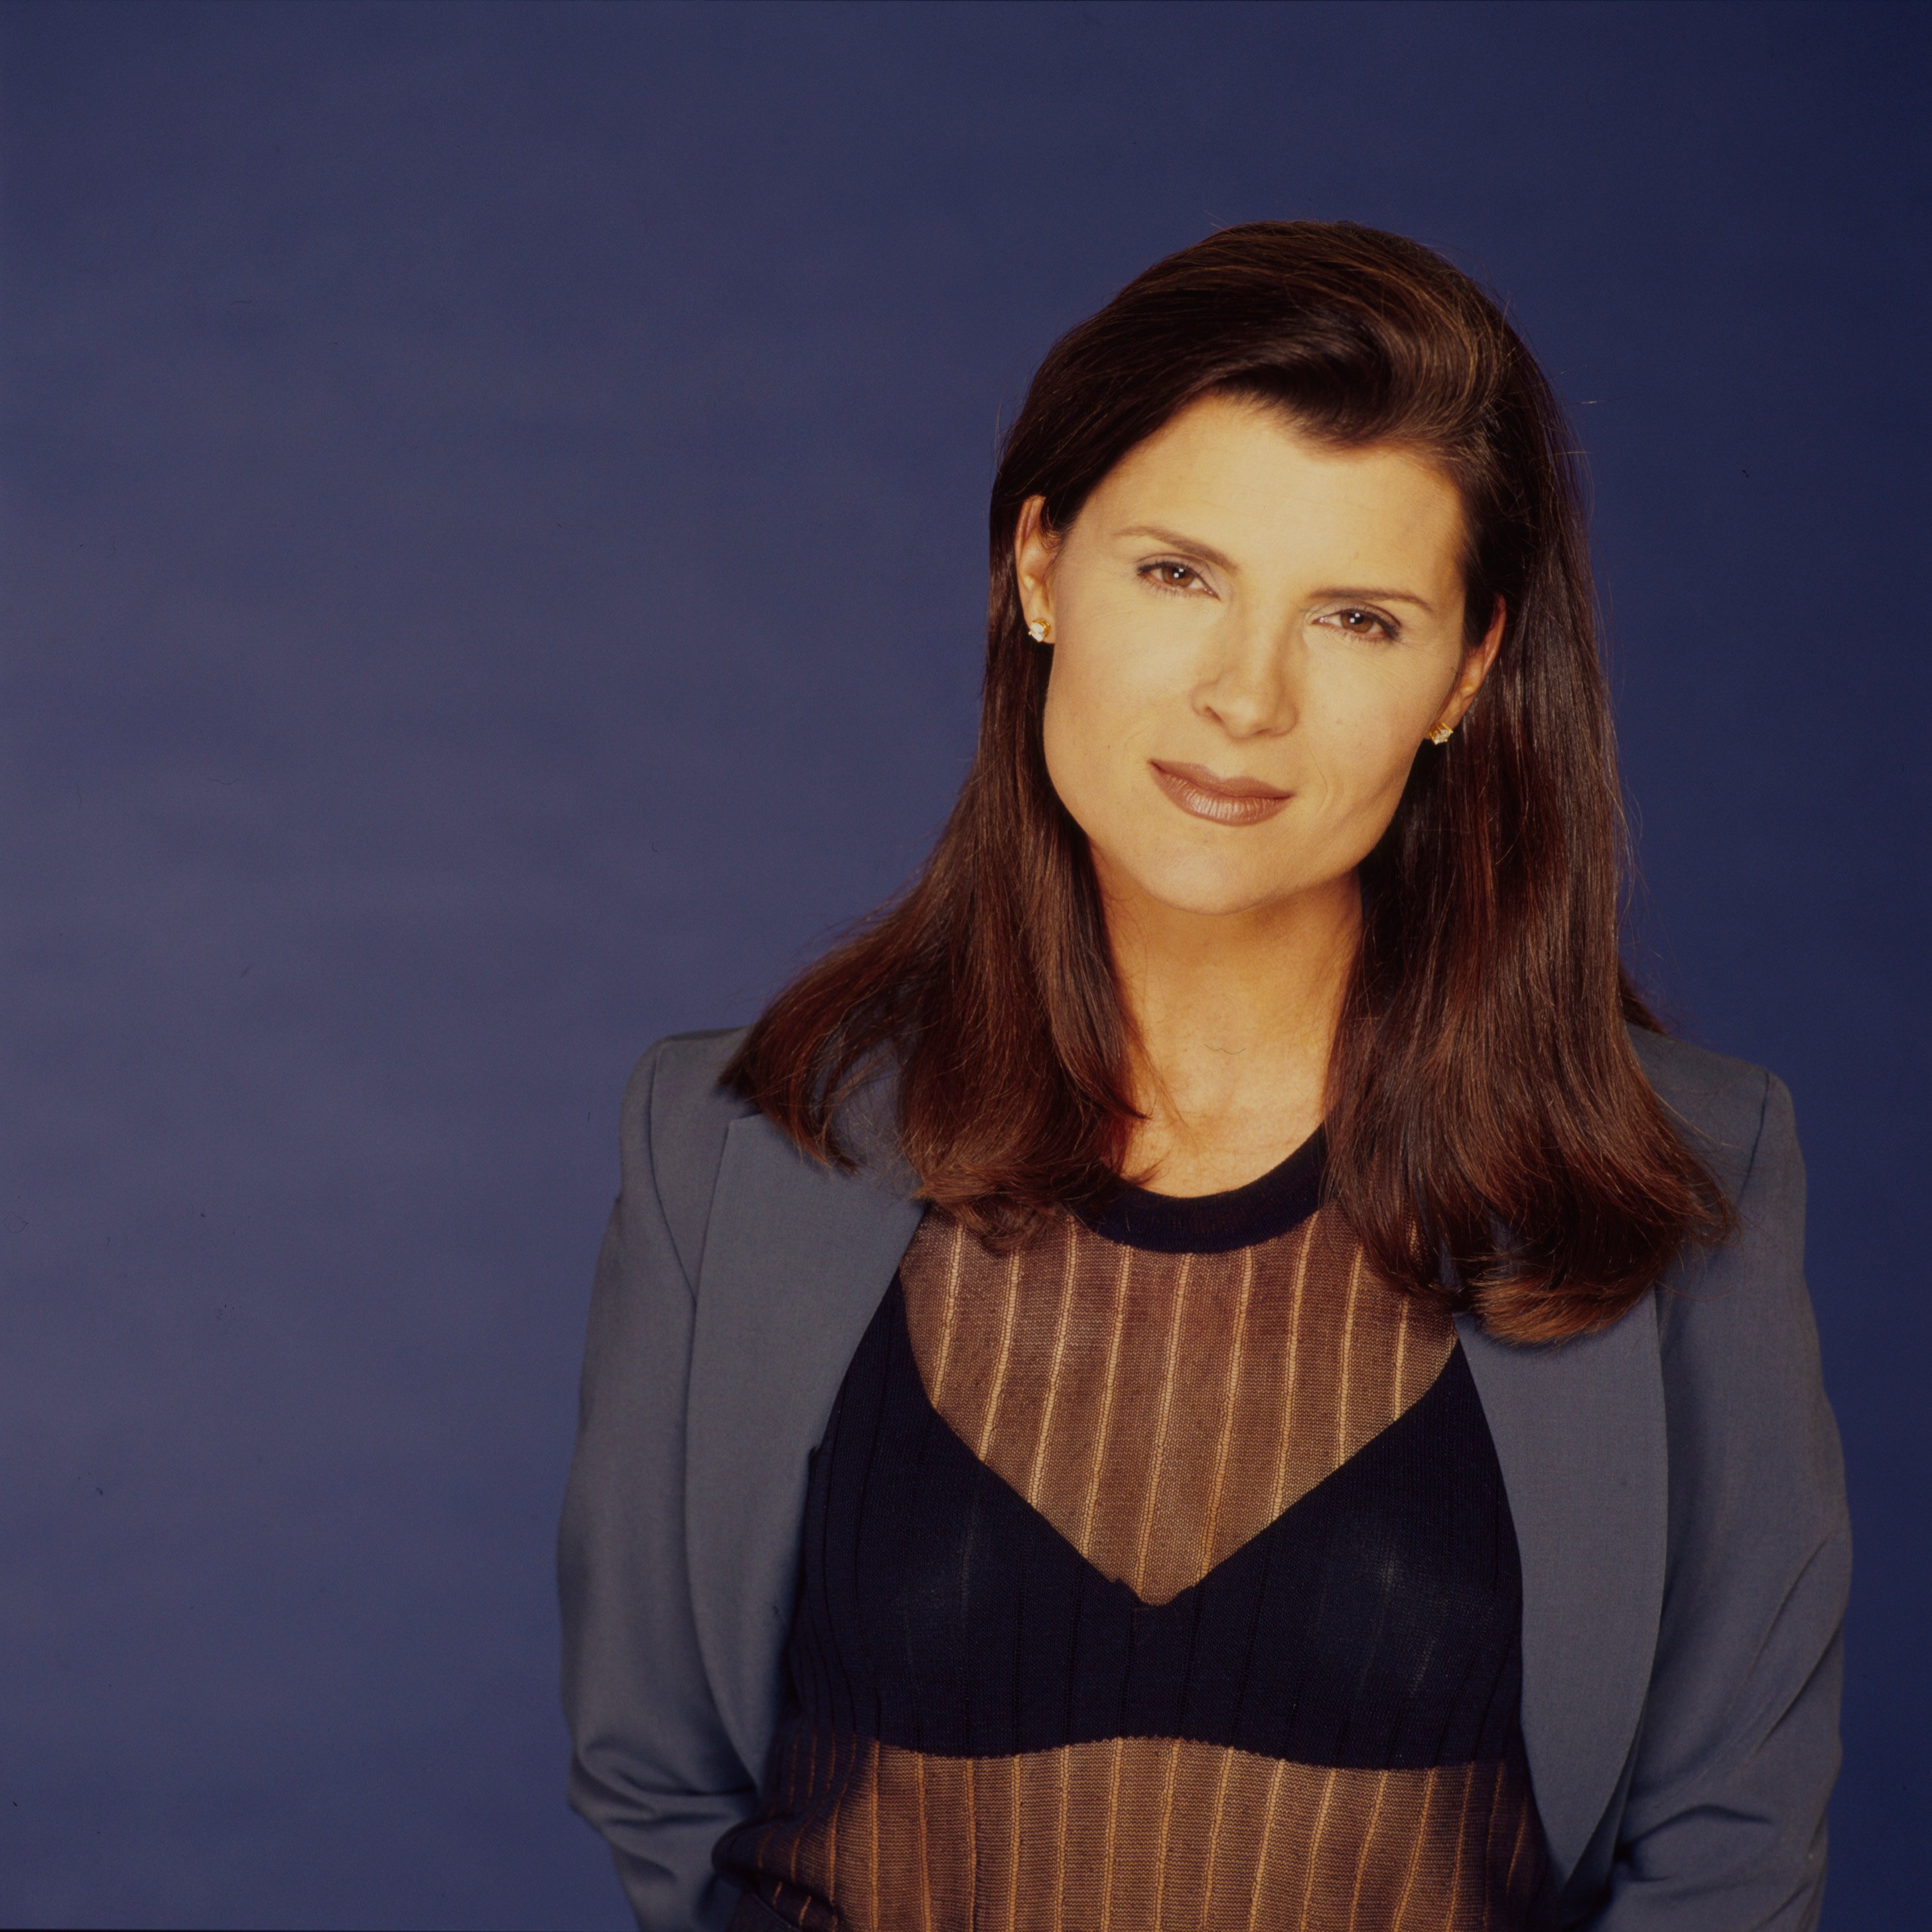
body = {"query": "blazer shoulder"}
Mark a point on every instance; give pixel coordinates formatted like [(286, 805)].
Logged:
[(675, 1118), (1745, 1305), (1723, 1102)]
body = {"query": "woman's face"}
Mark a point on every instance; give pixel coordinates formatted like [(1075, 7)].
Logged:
[(1252, 636)]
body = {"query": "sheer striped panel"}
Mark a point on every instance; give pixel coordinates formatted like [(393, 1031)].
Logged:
[(1236, 1503), (1142, 1833)]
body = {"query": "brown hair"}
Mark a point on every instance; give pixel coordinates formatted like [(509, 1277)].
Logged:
[(1485, 1103)]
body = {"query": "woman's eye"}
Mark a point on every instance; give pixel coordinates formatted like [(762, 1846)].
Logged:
[(1170, 575), (1361, 623)]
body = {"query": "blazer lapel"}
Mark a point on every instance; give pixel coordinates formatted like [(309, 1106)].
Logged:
[(1579, 1431), (797, 1258)]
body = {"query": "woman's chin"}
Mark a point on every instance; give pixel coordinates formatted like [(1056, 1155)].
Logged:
[(1202, 891)]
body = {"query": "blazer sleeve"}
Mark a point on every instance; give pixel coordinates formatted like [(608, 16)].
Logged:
[(651, 1766), (1724, 1826)]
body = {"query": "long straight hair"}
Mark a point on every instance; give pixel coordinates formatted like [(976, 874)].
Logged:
[(1485, 1106)]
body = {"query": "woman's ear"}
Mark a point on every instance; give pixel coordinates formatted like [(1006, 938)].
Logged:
[(1034, 547), (1476, 663)]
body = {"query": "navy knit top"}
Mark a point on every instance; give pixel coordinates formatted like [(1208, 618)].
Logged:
[(1159, 1573)]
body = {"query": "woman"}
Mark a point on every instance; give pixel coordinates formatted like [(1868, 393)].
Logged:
[(1213, 1366)]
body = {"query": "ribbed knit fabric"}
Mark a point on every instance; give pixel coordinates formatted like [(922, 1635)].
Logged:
[(1159, 1573)]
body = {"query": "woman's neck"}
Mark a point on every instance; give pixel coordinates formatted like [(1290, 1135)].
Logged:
[(1236, 1015)]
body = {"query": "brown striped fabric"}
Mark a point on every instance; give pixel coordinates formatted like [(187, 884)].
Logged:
[(1159, 1410), (1143, 1832)]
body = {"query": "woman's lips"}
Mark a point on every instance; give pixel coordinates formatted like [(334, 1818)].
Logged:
[(1226, 801)]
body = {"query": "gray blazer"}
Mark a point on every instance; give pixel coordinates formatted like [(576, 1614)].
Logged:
[(1675, 1483)]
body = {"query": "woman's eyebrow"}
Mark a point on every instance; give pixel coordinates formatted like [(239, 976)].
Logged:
[(1372, 596), (1193, 546)]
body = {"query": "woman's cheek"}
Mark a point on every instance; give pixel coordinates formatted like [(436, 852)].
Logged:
[(1096, 713), (1360, 768), (1078, 731)]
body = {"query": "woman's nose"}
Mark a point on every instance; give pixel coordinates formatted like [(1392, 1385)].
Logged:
[(1249, 687)]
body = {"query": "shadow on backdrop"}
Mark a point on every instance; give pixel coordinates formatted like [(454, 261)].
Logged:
[(494, 566)]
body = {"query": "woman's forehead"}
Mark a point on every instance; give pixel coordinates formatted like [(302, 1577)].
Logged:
[(1240, 480)]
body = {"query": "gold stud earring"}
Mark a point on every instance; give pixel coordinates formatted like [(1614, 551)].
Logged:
[(1041, 632), (1442, 734)]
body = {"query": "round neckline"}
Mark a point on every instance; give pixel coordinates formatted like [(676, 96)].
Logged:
[(1210, 1224)]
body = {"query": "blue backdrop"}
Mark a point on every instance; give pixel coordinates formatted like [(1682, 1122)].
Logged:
[(494, 572)]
